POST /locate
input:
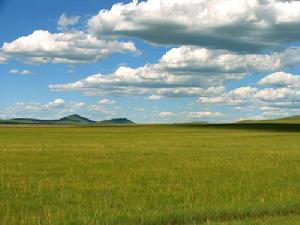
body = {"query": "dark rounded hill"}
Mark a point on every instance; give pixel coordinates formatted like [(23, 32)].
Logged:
[(117, 121), (76, 119)]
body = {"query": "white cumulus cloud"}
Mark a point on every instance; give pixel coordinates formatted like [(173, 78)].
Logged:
[(68, 48), (183, 71), (154, 97), (106, 102), (3, 58), (206, 114), (280, 79), (56, 103), (284, 95), (19, 72), (65, 22), (165, 114), (240, 26), (57, 108)]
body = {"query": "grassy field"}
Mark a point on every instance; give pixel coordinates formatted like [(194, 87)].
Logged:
[(287, 120), (148, 175)]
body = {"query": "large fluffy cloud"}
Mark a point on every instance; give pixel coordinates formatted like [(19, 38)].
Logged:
[(71, 47), (285, 93), (241, 26), (183, 71), (281, 79), (122, 83), (201, 60)]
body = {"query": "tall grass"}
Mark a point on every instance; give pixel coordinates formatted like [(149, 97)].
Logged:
[(148, 175)]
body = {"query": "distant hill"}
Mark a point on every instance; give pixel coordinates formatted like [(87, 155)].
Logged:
[(117, 121), (76, 119), (72, 119), (291, 119)]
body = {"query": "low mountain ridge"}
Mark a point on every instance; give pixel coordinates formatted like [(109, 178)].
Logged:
[(72, 119)]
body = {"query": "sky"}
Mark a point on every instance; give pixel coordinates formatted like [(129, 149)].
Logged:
[(152, 61)]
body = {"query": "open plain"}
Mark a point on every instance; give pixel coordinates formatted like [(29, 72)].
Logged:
[(148, 175)]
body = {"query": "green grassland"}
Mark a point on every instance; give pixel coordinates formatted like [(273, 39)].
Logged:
[(287, 120), (150, 175)]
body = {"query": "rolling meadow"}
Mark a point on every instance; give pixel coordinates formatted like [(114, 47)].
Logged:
[(150, 175)]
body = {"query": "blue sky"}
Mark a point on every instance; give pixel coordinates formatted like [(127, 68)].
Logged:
[(156, 61)]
